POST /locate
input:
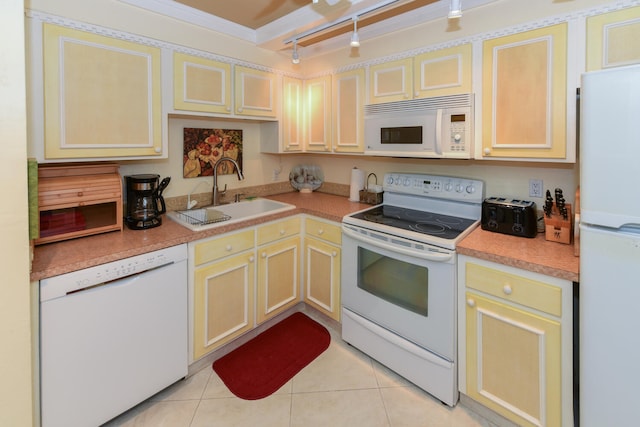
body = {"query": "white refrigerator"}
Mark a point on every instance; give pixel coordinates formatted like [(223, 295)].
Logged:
[(609, 301)]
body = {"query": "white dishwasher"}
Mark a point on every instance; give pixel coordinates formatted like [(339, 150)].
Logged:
[(111, 336)]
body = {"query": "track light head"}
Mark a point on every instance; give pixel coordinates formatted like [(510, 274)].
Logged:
[(455, 10), (355, 39), (295, 58)]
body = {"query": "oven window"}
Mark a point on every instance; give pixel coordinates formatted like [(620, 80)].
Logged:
[(398, 282)]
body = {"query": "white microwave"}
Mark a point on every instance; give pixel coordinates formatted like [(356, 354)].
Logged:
[(438, 127)]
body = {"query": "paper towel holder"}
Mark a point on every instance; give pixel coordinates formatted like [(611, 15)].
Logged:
[(371, 195)]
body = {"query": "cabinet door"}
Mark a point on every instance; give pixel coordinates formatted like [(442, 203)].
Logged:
[(391, 81), (201, 84), (322, 277), (318, 114), (513, 362), (442, 72), (101, 96), (255, 92), (612, 39), (292, 124), (348, 113), (223, 302), (524, 106), (278, 274)]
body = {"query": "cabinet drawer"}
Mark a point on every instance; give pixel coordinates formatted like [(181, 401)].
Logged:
[(322, 230), (278, 230), (527, 292), (223, 246)]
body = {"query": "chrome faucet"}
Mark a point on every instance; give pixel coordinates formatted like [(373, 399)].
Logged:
[(214, 196)]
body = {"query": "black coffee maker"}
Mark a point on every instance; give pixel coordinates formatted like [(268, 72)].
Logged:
[(144, 198)]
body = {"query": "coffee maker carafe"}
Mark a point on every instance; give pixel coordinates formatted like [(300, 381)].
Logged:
[(145, 203)]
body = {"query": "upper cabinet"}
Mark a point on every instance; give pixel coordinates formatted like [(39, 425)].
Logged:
[(292, 118), (318, 114), (524, 95), (391, 81), (443, 72), (201, 84), (256, 92), (612, 39), (102, 96), (436, 73), (348, 111)]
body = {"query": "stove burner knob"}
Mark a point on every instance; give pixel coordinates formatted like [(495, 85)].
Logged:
[(407, 182), (459, 188), (471, 189), (390, 180), (448, 186)]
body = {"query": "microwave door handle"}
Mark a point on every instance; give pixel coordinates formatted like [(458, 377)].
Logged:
[(438, 146)]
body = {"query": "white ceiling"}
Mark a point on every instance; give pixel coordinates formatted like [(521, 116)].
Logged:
[(272, 24)]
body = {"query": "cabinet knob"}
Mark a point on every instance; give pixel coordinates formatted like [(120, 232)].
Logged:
[(251, 259), (487, 151), (320, 231), (228, 108), (239, 110), (282, 232), (334, 254), (507, 289), (158, 150), (229, 247), (264, 255), (471, 302)]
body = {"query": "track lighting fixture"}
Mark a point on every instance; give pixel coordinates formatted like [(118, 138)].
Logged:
[(455, 10), (294, 56), (355, 39)]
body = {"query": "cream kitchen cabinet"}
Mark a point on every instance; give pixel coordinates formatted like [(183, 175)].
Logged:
[(436, 73), (102, 96), (318, 114), (322, 255), (443, 72), (292, 115), (612, 39), (201, 84), (515, 338), (223, 289), (391, 81), (348, 111), (524, 96), (256, 92), (278, 267)]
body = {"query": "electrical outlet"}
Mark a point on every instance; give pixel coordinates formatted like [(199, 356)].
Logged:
[(535, 188), (276, 173)]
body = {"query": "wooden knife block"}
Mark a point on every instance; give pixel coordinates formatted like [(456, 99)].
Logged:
[(558, 229)]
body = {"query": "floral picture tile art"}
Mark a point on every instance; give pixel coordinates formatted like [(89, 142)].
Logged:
[(204, 147)]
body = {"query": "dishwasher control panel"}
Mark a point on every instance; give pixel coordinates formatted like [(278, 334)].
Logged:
[(75, 281)]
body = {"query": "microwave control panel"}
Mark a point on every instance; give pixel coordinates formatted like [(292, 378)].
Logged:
[(458, 133)]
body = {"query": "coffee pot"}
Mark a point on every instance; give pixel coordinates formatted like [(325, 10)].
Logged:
[(144, 199)]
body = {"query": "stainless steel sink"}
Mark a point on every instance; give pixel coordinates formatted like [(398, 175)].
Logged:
[(215, 216)]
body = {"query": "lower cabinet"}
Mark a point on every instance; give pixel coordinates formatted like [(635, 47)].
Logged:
[(322, 254), (278, 277), (516, 332), (223, 290), (241, 279)]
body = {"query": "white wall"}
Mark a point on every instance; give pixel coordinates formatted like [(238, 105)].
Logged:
[(16, 399)]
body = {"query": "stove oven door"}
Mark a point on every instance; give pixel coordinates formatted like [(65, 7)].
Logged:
[(401, 285)]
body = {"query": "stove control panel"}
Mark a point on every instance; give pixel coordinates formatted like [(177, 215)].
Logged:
[(437, 186)]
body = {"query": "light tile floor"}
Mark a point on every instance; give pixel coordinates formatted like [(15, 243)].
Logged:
[(342, 387)]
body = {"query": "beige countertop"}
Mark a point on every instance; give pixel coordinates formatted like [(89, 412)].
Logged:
[(535, 254), (538, 255)]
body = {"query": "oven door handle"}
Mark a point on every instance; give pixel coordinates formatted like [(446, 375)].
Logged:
[(430, 256)]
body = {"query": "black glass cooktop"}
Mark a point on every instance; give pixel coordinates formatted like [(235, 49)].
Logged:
[(433, 224)]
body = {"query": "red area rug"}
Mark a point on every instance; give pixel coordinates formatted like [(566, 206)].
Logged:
[(263, 365)]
